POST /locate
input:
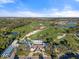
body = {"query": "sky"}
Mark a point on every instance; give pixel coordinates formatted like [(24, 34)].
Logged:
[(39, 8)]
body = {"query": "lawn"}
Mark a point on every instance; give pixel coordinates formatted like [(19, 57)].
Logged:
[(48, 32)]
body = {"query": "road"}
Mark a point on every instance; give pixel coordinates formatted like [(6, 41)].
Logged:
[(31, 33)]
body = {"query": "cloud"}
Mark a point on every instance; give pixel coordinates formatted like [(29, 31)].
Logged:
[(70, 13), (77, 0), (4, 13), (67, 7), (6, 1), (67, 11)]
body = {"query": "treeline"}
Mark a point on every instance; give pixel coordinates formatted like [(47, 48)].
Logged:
[(13, 23), (6, 34)]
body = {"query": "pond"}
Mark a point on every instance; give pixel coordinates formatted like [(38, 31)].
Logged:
[(69, 55), (14, 33), (70, 24)]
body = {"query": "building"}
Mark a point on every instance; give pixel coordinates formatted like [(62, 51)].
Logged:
[(37, 42), (10, 51), (37, 45)]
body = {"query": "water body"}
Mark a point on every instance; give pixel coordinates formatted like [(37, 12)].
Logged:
[(70, 24), (69, 55), (14, 33)]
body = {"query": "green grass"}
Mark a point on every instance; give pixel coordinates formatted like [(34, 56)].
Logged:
[(53, 33), (25, 29), (72, 40), (28, 28), (49, 32), (23, 50)]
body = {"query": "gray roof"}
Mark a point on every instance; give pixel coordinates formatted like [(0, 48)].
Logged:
[(8, 51)]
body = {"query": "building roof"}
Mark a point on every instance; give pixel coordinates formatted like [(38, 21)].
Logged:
[(37, 41), (8, 51)]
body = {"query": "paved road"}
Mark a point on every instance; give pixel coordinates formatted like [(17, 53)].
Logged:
[(31, 33)]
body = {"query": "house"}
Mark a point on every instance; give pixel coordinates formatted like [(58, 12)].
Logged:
[(37, 42), (37, 45), (77, 32)]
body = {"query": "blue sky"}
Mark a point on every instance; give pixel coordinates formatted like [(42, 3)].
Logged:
[(39, 8)]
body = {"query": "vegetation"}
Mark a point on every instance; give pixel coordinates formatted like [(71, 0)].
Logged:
[(23, 50), (16, 28)]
